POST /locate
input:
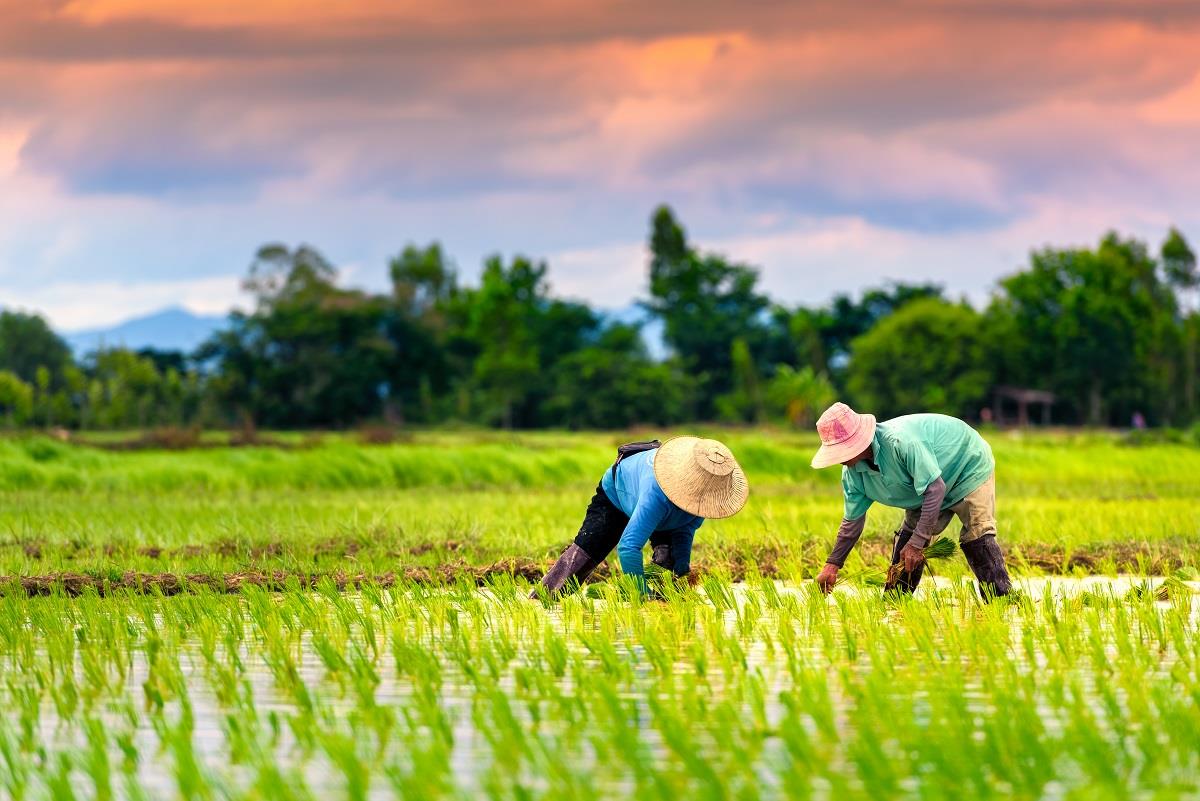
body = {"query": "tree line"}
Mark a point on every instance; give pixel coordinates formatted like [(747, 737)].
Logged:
[(1111, 330)]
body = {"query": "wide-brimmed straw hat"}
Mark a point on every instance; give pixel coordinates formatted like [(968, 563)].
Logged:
[(701, 477), (844, 434)]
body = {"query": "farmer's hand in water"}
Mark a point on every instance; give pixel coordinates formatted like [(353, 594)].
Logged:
[(827, 578), (911, 557)]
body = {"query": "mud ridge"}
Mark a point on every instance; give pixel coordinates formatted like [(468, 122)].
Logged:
[(132, 582), (1162, 558)]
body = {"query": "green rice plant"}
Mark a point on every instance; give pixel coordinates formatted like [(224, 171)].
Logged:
[(96, 760), (343, 752), (770, 691), (719, 593), (15, 770), (940, 548)]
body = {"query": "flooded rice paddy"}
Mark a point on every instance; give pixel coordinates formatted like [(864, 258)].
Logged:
[(1075, 689)]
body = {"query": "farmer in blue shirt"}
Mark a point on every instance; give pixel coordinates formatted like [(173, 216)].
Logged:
[(659, 494)]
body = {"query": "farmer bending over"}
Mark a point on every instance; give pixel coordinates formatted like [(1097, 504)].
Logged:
[(656, 493), (935, 467)]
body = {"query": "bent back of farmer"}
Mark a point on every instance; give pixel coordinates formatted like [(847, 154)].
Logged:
[(659, 495), (934, 467)]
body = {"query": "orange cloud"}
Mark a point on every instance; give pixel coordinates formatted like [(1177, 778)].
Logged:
[(283, 13), (906, 113)]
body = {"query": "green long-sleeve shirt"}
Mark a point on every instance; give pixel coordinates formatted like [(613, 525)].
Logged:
[(909, 454)]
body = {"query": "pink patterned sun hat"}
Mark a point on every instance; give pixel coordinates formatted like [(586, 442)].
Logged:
[(844, 434)]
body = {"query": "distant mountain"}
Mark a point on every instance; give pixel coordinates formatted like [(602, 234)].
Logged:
[(169, 329), (179, 329)]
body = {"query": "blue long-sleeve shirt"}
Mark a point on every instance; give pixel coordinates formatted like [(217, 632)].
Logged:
[(635, 492)]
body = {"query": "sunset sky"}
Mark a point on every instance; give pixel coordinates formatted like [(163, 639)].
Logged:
[(148, 147)]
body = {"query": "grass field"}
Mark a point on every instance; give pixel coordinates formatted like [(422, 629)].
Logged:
[(381, 643), (1066, 504)]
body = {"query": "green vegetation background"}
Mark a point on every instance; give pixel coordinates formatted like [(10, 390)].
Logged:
[(1112, 330)]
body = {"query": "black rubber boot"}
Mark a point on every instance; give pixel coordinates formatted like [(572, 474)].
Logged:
[(569, 572), (987, 563), (898, 579)]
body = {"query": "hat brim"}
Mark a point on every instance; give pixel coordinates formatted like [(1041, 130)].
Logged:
[(711, 501), (847, 449)]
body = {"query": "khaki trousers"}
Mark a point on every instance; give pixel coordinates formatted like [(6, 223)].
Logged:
[(977, 512)]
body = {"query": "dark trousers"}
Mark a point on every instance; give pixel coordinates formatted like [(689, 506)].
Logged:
[(603, 525)]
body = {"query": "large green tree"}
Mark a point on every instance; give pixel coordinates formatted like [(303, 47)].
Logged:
[(744, 402), (424, 287), (1099, 327), (1179, 264), (311, 353), (126, 390), (499, 317), (614, 383), (16, 399), (514, 335), (928, 356), (819, 337), (27, 343), (705, 303)]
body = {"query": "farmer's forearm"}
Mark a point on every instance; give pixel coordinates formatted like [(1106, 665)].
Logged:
[(848, 533), (630, 557), (642, 524), (931, 508)]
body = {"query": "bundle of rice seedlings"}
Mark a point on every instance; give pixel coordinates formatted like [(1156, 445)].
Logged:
[(939, 548), (657, 574), (1170, 588)]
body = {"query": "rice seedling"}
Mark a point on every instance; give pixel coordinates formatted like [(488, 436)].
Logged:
[(736, 690)]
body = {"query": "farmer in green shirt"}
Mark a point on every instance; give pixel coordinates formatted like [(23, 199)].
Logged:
[(933, 466)]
